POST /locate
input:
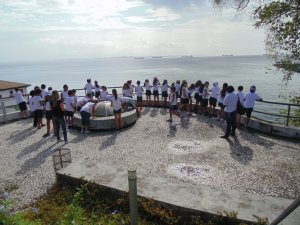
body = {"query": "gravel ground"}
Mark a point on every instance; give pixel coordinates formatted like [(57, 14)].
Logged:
[(189, 149)]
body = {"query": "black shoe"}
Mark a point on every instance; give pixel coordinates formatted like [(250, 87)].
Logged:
[(225, 137), (232, 134)]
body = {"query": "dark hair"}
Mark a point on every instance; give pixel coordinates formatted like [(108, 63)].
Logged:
[(65, 86), (89, 80), (138, 82), (240, 88), (43, 86), (198, 83), (192, 86), (74, 91), (96, 84), (31, 93), (37, 91), (115, 94), (224, 90), (230, 89), (165, 82), (70, 92), (17, 89), (173, 88)]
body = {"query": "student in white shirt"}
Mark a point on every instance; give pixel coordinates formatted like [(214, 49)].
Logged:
[(44, 92), (240, 110), (126, 91), (184, 97), (64, 93), (191, 90), (70, 108), (88, 88), (164, 92), (197, 96), (139, 95), (155, 91), (177, 89), (230, 103), (31, 107), (221, 96), (249, 101), (173, 103), (148, 91), (38, 108), (213, 98), (205, 97), (103, 93), (97, 89), (49, 118), (116, 103), (86, 112), (21, 102)]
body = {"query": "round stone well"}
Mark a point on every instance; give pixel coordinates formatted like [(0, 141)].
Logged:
[(104, 118)]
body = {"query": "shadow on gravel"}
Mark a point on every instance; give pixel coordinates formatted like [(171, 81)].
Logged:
[(172, 130), (242, 154), (20, 135), (163, 111), (145, 110), (153, 112), (32, 148), (185, 122), (110, 140), (36, 161)]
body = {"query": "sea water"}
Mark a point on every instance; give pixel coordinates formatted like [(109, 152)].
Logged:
[(235, 70)]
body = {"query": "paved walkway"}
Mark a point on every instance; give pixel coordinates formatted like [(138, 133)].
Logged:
[(167, 190), (188, 150)]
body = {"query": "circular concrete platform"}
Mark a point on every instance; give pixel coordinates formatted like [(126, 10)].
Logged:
[(105, 119)]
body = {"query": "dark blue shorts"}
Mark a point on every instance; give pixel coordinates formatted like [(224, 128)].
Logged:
[(38, 113), (139, 99), (148, 92), (117, 111), (248, 112), (48, 115), (155, 93), (22, 106), (85, 118)]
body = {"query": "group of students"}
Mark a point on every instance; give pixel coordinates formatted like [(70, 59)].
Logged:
[(60, 108)]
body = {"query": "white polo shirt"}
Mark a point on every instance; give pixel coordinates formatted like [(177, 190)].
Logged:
[(230, 102), (250, 99)]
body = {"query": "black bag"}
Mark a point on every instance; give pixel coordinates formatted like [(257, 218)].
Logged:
[(240, 108)]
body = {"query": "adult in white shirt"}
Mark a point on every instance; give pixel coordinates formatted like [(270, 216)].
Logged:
[(38, 108), (64, 93), (230, 103), (44, 92), (21, 102), (184, 98), (249, 101)]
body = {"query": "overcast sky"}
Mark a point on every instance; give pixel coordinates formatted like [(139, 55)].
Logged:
[(56, 29)]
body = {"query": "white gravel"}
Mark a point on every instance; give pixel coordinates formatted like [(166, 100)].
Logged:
[(188, 149)]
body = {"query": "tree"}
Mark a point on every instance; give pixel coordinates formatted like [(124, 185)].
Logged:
[(281, 20)]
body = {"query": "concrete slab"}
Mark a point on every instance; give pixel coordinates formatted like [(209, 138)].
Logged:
[(180, 194)]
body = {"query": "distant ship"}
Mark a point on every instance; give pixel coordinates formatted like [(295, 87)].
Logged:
[(227, 54), (186, 56), (138, 57), (156, 57)]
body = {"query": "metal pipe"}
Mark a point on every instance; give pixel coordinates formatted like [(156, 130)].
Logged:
[(288, 116), (133, 196), (287, 212)]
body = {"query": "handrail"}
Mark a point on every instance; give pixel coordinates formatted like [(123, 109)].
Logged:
[(295, 204), (288, 116)]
